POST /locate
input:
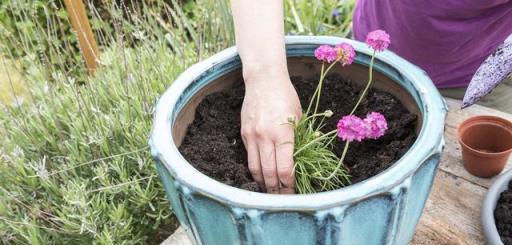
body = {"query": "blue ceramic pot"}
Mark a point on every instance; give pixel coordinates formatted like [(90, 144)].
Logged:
[(383, 209)]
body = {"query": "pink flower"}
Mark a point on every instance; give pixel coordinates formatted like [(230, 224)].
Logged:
[(352, 128), (377, 125), (378, 40), (326, 53), (345, 53)]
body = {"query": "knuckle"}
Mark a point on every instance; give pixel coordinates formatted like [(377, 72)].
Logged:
[(283, 141), (271, 187), (284, 135), (285, 173), (277, 137), (268, 173), (254, 169), (261, 131), (247, 131)]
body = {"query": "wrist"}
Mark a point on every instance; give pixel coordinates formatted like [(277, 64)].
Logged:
[(270, 72)]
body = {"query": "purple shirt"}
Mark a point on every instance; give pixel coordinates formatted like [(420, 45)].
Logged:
[(447, 38)]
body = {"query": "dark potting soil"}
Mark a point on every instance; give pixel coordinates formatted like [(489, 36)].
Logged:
[(503, 215), (214, 146)]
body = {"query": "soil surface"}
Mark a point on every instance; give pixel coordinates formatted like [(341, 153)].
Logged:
[(213, 143), (503, 215)]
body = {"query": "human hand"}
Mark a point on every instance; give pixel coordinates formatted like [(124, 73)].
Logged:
[(270, 101)]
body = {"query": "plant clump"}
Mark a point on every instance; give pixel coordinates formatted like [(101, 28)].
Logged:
[(317, 167)]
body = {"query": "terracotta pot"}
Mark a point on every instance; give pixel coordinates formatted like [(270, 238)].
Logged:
[(486, 144)]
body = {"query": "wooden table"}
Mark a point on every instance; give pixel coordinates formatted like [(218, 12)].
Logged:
[(452, 212)]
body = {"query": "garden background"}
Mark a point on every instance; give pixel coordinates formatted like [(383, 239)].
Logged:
[(75, 167)]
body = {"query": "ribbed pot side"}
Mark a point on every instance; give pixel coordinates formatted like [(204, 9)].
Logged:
[(383, 209)]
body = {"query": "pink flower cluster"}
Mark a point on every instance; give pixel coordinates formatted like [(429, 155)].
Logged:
[(346, 53), (352, 128), (343, 52), (377, 125), (378, 40), (326, 53)]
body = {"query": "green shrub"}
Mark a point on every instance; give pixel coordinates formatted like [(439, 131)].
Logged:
[(76, 167), (316, 17), (74, 163), (26, 24)]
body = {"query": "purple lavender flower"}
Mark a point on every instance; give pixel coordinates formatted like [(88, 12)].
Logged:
[(336, 13)]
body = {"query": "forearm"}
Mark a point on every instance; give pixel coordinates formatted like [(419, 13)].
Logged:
[(259, 30)]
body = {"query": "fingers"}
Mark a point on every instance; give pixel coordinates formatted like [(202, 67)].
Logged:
[(284, 162), (268, 166), (270, 158), (253, 158)]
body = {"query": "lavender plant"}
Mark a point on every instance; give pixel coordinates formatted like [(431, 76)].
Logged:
[(74, 166), (74, 163)]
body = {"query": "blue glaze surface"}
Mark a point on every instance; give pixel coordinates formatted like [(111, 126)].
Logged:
[(383, 209)]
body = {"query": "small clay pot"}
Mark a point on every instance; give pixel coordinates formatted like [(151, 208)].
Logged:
[(486, 144)]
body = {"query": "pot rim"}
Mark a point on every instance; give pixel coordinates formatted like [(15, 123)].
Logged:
[(489, 204), (429, 142), (479, 120)]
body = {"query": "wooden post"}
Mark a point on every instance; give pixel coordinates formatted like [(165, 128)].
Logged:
[(80, 23)]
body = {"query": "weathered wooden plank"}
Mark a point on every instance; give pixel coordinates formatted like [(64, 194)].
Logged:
[(452, 212), (456, 115)]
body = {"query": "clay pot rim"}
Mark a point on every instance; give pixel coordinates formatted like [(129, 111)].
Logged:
[(483, 119)]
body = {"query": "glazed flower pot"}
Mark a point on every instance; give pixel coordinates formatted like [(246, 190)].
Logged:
[(491, 199), (486, 143), (383, 209)]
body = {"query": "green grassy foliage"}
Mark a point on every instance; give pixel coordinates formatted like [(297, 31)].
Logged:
[(74, 163), (317, 168)]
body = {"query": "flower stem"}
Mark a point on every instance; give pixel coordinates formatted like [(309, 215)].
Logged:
[(342, 158), (312, 142), (318, 91), (314, 115), (365, 91), (313, 98), (321, 83)]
